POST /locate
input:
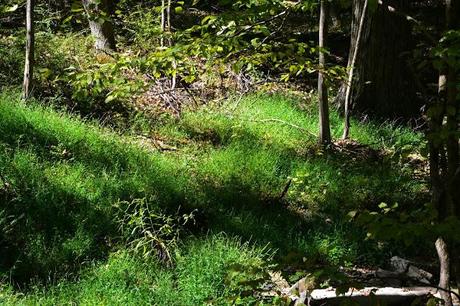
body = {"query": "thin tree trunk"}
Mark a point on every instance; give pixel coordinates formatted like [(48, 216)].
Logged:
[(30, 50), (452, 124), (452, 11), (163, 21), (346, 130), (444, 158), (444, 276), (170, 43), (101, 28), (324, 126), (168, 16)]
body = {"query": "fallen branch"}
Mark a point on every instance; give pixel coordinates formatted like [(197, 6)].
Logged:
[(285, 190), (285, 123), (384, 274), (240, 98), (388, 294)]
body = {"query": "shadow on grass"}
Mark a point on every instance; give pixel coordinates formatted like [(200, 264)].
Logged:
[(67, 198)]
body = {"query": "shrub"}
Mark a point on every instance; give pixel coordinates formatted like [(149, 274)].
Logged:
[(149, 231)]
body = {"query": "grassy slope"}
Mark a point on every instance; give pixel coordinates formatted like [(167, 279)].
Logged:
[(65, 175)]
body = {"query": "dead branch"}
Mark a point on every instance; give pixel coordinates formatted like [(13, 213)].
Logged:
[(284, 123), (285, 190)]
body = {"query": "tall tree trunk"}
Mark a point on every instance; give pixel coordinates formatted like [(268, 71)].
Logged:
[(444, 156), (346, 130), (452, 124), (324, 126), (163, 21), (383, 85), (452, 22), (99, 12), (30, 50)]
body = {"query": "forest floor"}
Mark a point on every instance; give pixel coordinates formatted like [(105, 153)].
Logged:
[(261, 195)]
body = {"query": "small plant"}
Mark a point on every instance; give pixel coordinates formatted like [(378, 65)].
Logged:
[(148, 230)]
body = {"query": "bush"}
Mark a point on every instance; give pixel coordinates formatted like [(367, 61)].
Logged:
[(149, 231)]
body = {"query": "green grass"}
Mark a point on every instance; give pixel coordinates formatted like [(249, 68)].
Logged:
[(126, 280), (64, 175)]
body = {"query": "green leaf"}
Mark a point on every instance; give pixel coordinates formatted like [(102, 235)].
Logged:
[(352, 214), (12, 8), (110, 98), (67, 19)]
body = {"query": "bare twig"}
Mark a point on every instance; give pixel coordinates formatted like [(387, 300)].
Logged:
[(240, 98), (187, 89), (285, 190), (285, 123), (402, 276)]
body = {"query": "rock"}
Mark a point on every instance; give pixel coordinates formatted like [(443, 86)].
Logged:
[(399, 264), (404, 266)]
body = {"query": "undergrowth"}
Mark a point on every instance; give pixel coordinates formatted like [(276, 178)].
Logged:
[(62, 178)]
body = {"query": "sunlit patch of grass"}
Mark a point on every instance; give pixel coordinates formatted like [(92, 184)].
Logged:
[(231, 162), (127, 280)]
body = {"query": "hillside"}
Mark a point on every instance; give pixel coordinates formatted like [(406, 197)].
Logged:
[(224, 195)]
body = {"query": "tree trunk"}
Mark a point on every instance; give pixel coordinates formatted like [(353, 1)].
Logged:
[(99, 22), (163, 21), (444, 156), (452, 22), (30, 50), (444, 274), (383, 85), (452, 124), (346, 130), (324, 127)]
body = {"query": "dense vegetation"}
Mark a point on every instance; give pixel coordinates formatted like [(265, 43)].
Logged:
[(71, 179), (172, 153)]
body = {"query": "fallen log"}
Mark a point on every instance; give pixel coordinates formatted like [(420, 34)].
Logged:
[(369, 295)]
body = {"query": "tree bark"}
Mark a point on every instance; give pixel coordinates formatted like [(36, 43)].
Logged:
[(452, 22), (163, 21), (324, 126), (30, 50), (346, 130), (444, 156), (444, 274), (383, 85), (452, 124), (101, 27)]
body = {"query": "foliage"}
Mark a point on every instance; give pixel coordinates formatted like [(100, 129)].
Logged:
[(11, 60), (89, 215), (124, 279), (104, 83), (150, 232), (447, 52), (425, 222), (69, 174)]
